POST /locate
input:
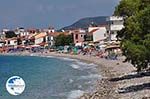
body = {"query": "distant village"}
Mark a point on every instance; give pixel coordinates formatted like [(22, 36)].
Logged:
[(103, 36)]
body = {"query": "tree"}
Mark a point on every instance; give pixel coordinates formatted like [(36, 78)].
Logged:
[(135, 37), (10, 34), (130, 7), (62, 40)]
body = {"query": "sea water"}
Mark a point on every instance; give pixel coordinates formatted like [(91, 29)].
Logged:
[(48, 77)]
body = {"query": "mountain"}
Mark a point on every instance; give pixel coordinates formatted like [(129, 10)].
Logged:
[(86, 22)]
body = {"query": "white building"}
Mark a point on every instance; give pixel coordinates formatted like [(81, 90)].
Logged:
[(5, 30), (2, 36), (2, 43), (49, 30), (11, 42), (99, 33), (115, 25), (51, 41), (41, 38), (21, 32)]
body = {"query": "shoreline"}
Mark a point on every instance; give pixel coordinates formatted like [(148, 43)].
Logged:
[(111, 70)]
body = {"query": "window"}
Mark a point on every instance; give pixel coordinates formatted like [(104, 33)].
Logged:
[(8, 42), (112, 32), (76, 36), (44, 39), (107, 31)]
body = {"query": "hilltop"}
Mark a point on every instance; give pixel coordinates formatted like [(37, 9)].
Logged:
[(86, 22)]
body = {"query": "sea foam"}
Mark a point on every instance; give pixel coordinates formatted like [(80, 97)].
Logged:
[(75, 66), (67, 59), (75, 94), (91, 76)]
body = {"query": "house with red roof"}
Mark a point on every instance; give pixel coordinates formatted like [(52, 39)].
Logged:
[(41, 39), (78, 36)]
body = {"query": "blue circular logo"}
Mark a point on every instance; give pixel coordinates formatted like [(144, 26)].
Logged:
[(15, 85)]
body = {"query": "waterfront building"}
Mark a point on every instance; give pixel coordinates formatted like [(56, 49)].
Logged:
[(78, 36), (115, 25), (99, 34), (41, 39), (11, 42), (21, 32)]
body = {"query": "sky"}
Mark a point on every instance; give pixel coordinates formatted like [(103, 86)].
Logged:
[(56, 13)]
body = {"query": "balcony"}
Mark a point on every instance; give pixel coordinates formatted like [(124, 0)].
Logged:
[(116, 27)]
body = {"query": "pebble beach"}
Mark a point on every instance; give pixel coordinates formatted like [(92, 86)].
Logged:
[(119, 80)]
